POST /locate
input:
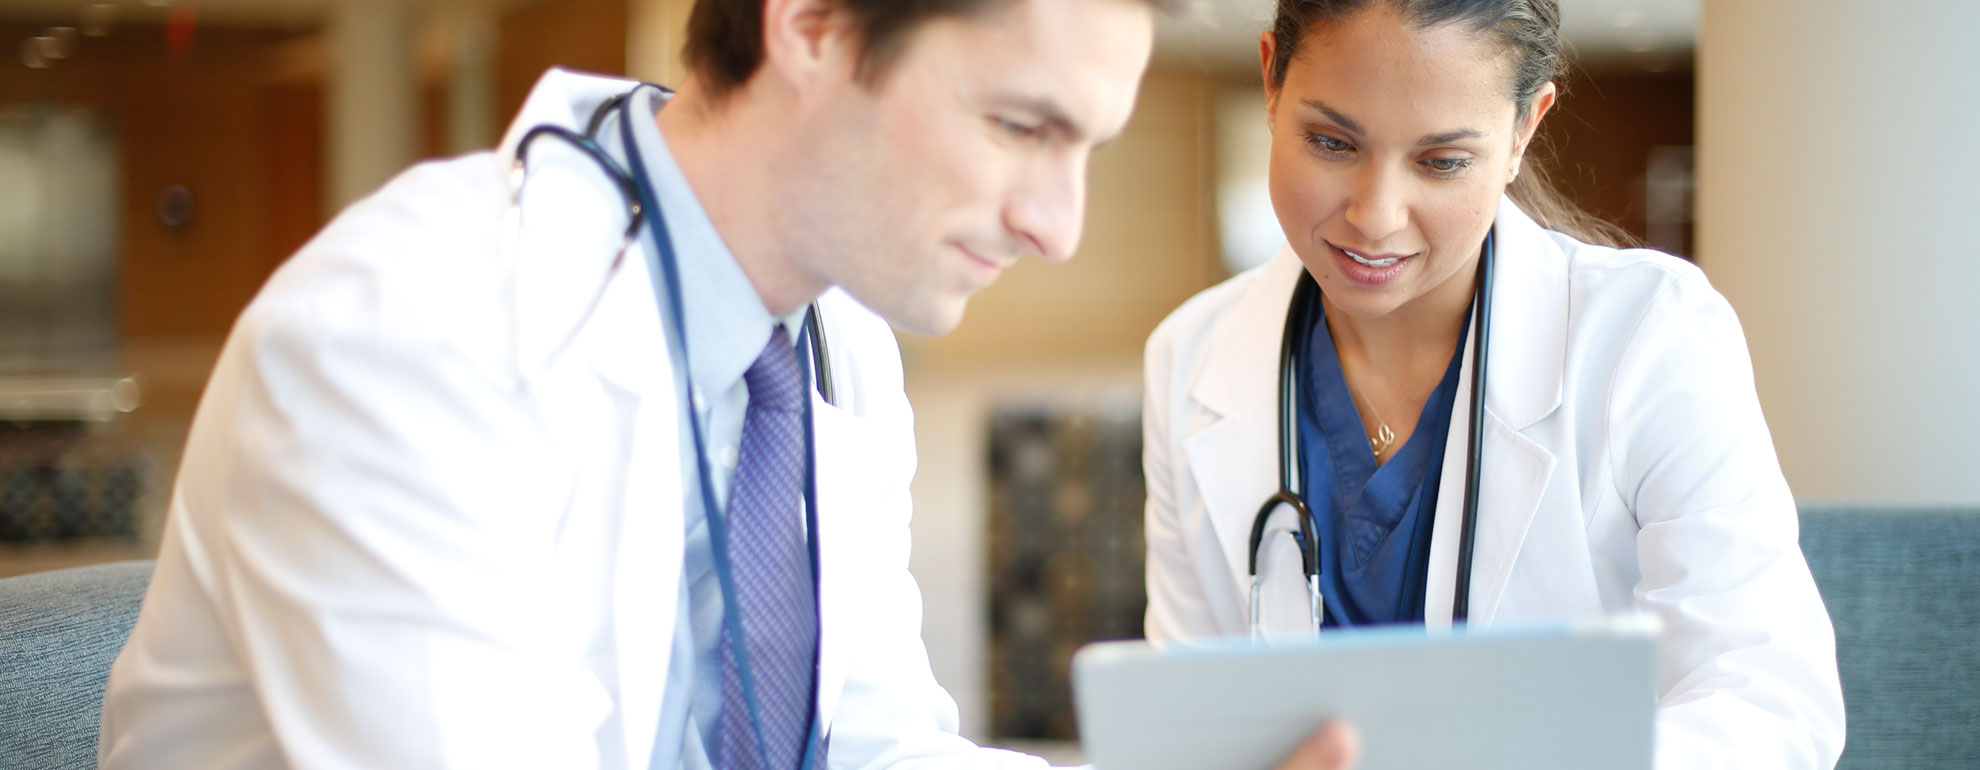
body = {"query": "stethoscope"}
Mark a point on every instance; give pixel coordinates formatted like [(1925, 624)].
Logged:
[(643, 208), (1291, 457), (586, 143)]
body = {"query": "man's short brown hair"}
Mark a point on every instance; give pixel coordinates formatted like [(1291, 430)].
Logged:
[(725, 37)]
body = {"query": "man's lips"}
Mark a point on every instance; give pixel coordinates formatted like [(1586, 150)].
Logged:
[(980, 259)]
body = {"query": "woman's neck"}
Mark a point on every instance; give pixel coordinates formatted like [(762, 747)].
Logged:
[(1408, 346)]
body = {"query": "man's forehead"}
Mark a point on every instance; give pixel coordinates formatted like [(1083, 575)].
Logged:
[(1080, 60)]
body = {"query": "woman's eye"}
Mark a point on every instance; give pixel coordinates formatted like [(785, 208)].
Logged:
[(1328, 143), (1448, 165)]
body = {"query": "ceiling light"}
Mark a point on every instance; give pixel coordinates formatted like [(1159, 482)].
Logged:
[(31, 54), (97, 18)]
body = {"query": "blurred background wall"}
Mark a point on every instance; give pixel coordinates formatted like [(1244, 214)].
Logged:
[(1836, 212), (161, 157)]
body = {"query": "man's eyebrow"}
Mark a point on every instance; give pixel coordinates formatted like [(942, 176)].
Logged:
[(1333, 115)]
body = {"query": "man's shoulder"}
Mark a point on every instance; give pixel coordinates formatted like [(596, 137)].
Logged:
[(415, 263)]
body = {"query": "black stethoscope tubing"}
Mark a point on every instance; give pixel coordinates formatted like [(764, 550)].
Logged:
[(642, 204), (586, 143), (1292, 456)]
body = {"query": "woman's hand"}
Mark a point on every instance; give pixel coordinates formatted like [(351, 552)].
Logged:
[(1335, 746)]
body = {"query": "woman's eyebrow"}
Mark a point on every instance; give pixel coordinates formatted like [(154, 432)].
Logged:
[(1450, 136), (1333, 115), (1354, 127)]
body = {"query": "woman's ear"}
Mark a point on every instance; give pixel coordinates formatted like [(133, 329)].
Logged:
[(1543, 100), (1267, 45)]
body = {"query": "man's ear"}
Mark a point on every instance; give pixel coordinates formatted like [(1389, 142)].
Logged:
[(804, 39)]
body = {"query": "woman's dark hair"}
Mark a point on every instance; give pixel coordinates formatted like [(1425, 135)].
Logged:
[(1530, 31), (725, 37)]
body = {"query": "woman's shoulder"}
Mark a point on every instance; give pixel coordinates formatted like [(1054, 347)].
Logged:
[(1638, 309), (1232, 326), (1639, 270), (1205, 307), (1642, 283), (1193, 320)]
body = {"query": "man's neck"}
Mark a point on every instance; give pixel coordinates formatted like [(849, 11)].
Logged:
[(732, 164)]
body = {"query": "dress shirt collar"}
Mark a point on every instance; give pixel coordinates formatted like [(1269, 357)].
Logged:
[(727, 323)]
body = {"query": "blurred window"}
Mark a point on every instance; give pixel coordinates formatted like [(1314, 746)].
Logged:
[(58, 241)]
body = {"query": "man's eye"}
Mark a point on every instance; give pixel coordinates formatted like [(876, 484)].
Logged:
[(1014, 128)]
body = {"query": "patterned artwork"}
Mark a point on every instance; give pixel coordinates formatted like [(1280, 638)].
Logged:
[(64, 482), (1066, 554)]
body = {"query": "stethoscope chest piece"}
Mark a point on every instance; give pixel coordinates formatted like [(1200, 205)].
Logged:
[(1299, 316)]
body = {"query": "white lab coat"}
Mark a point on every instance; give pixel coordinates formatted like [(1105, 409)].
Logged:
[(1626, 467), (429, 514)]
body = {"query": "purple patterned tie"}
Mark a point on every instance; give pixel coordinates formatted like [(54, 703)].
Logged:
[(774, 597)]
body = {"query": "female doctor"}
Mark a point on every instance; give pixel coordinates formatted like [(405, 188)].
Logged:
[(1624, 464)]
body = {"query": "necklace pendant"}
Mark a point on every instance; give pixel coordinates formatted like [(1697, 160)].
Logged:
[(1380, 442)]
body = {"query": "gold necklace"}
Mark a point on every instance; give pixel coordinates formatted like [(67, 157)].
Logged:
[(1384, 437)]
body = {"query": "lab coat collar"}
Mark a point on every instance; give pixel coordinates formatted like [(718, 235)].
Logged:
[(560, 98), (1233, 457), (1529, 321), (571, 296)]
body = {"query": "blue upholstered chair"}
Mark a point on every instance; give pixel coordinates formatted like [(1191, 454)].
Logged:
[(58, 633), (1903, 587)]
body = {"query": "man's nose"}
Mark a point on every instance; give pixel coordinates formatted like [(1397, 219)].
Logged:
[(1046, 213)]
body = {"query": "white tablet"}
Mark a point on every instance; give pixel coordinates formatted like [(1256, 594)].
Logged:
[(1577, 696)]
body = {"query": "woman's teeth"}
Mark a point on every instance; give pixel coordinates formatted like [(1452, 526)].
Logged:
[(1374, 263)]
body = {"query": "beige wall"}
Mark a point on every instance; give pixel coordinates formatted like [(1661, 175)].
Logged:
[(1150, 242), (1835, 210), (1067, 334), (655, 31)]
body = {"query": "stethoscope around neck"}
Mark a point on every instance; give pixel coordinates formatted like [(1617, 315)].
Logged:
[(642, 205), (1291, 459), (628, 187)]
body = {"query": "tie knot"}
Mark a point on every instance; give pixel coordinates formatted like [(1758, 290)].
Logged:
[(776, 380)]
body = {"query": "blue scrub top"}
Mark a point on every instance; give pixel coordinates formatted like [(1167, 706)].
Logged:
[(1374, 522)]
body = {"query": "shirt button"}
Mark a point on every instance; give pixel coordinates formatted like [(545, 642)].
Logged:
[(728, 457), (694, 398)]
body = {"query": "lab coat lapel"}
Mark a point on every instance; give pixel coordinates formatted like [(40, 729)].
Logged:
[(834, 428), (646, 576), (577, 302), (1523, 385), (623, 344), (1234, 455)]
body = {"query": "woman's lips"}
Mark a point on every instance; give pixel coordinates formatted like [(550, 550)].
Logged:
[(1370, 270)]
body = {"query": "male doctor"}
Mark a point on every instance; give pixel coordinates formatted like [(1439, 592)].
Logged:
[(443, 504)]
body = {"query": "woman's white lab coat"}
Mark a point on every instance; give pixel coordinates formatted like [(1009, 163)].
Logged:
[(1626, 467)]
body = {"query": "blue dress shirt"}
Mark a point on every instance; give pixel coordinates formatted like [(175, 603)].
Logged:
[(1373, 521), (727, 325)]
